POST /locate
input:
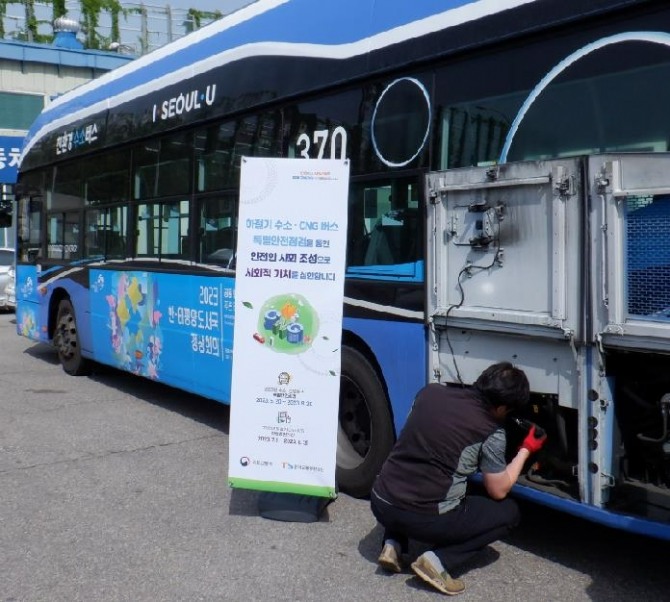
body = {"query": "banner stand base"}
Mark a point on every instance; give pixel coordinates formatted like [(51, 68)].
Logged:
[(291, 507)]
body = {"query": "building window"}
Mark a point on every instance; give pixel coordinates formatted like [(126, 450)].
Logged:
[(19, 110)]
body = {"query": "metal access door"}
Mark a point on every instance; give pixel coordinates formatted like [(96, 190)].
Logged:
[(630, 250), (505, 271), (554, 266)]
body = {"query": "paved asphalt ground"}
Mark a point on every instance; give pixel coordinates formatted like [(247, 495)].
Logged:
[(114, 488)]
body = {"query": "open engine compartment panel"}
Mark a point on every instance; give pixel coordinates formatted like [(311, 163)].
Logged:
[(563, 268)]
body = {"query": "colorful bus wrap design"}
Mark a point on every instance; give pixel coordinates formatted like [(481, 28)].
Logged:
[(173, 328)]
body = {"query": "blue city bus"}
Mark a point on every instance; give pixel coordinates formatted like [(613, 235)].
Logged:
[(128, 185)]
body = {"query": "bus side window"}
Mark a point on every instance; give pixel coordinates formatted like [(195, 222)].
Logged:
[(218, 231), (161, 229), (388, 215), (357, 237), (29, 228), (116, 239), (63, 236), (393, 238), (105, 230)]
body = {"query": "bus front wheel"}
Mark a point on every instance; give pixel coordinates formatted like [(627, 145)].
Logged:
[(365, 434), (66, 340)]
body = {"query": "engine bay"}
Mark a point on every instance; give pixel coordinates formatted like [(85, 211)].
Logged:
[(640, 444)]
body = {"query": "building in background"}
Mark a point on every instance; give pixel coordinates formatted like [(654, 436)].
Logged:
[(39, 61), (31, 75)]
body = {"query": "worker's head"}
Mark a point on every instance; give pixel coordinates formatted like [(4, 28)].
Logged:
[(503, 385)]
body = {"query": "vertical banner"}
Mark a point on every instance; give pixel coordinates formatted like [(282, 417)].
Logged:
[(288, 325)]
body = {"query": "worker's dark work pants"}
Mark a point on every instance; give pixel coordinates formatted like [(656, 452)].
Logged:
[(456, 535)]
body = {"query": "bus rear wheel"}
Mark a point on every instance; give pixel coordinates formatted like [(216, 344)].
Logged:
[(66, 340), (365, 434)]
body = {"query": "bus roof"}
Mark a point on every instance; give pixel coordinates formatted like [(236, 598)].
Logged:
[(273, 49)]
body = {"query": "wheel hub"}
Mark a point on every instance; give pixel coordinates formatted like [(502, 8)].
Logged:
[(67, 336)]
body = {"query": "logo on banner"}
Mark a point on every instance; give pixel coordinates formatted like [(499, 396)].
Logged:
[(286, 324)]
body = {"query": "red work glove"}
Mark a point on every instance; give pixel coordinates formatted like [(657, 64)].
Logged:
[(532, 442)]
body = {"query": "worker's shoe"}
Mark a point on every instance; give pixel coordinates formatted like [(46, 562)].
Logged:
[(441, 581), (389, 559)]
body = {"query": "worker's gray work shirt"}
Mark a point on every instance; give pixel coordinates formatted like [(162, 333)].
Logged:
[(449, 435)]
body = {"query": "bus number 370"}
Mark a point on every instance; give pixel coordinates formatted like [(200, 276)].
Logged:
[(338, 144)]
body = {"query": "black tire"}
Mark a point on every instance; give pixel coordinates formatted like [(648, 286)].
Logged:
[(365, 434), (66, 340)]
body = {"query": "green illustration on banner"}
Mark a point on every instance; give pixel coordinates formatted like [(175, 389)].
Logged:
[(287, 324)]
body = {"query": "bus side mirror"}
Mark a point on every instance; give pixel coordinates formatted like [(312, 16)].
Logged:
[(5, 214)]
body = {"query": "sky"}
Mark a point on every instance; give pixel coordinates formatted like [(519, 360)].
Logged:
[(180, 7), (211, 5)]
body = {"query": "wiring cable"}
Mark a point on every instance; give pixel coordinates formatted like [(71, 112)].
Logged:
[(467, 269)]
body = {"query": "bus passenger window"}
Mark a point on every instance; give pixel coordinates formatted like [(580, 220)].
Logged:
[(384, 225), (105, 233), (29, 228), (219, 148), (63, 236), (162, 167), (174, 167), (94, 232), (162, 230), (68, 189), (472, 135), (218, 231), (214, 156), (106, 179), (115, 243)]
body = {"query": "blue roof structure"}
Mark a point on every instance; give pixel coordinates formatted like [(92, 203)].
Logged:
[(31, 52), (68, 52)]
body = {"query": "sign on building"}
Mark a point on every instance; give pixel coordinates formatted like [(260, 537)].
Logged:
[(10, 149)]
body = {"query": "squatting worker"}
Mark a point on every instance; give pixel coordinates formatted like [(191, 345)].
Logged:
[(420, 493)]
